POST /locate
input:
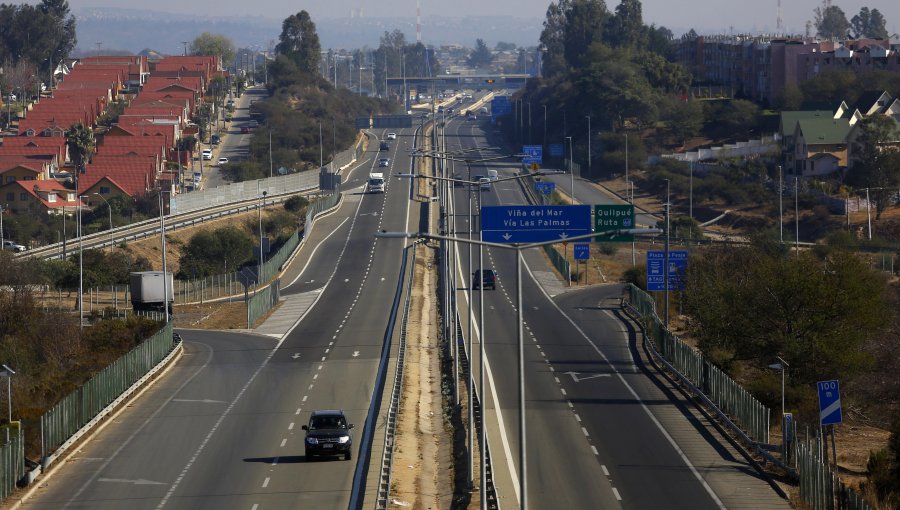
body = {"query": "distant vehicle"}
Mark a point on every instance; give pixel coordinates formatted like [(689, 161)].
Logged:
[(484, 184), (147, 290), (487, 278), (473, 117), (12, 97), (207, 154), (484, 110), (384, 146), (328, 433), (375, 183), (457, 180), (392, 136), (245, 130), (253, 124), (492, 174), (12, 246), (223, 160), (384, 162), (214, 139)]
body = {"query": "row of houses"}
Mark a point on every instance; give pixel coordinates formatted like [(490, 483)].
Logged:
[(823, 142), (37, 174), (761, 67)]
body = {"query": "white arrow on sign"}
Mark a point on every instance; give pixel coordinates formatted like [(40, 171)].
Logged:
[(296, 355), (355, 353), (579, 379), (139, 481), (201, 401), (507, 237), (564, 236)]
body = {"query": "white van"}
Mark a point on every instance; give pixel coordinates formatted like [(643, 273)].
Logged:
[(492, 174), (376, 183), (484, 184)]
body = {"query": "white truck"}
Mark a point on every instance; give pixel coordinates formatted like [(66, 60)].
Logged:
[(376, 183), (147, 290)]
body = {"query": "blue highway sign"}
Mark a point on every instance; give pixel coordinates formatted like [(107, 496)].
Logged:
[(533, 154), (581, 251), (544, 187), (534, 223), (557, 150), (829, 402), (656, 270), (500, 106)]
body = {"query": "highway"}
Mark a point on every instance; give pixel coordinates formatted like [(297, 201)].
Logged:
[(222, 429), (602, 429)]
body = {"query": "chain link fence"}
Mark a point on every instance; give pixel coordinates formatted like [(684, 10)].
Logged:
[(727, 395), (12, 459), (820, 487), (79, 408)]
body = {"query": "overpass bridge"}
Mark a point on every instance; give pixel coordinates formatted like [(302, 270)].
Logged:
[(461, 81)]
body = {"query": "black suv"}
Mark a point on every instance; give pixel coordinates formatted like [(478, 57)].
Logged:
[(384, 146), (486, 278), (328, 433)]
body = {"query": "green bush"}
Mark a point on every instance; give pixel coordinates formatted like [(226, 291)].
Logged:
[(296, 203)]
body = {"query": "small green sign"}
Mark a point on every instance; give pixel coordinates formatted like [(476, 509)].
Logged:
[(613, 217)]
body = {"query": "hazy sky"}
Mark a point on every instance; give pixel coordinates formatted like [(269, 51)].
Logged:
[(705, 15)]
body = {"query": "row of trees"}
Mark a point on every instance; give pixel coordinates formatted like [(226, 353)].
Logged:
[(830, 22), (41, 34), (397, 57)]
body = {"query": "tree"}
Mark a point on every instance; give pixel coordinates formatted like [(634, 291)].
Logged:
[(214, 44), (755, 303), (553, 39), (685, 119), (505, 46), (879, 165), (42, 33), (215, 252), (481, 56), (870, 24), (626, 28), (584, 26), (300, 42), (82, 146), (831, 22)]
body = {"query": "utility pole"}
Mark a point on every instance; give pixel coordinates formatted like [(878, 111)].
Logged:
[(780, 207), (666, 271), (185, 43), (589, 151)]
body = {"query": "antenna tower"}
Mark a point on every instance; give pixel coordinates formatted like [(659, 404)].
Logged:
[(418, 23), (779, 24)]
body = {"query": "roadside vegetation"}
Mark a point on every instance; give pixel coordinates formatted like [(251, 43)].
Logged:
[(45, 346), (307, 119)]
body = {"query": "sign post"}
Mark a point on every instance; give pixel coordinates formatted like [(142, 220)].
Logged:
[(519, 224), (830, 411), (614, 217), (533, 154), (582, 251), (656, 271)]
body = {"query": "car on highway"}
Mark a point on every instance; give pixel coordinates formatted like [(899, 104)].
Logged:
[(328, 433), (484, 184), (458, 180), (384, 146), (392, 136), (214, 139), (383, 162), (12, 246), (245, 130), (207, 154), (223, 160), (486, 277)]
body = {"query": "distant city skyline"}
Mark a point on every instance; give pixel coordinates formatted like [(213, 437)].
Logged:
[(719, 16)]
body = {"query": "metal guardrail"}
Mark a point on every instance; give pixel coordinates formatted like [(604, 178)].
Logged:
[(91, 401), (820, 488), (727, 396), (12, 459)]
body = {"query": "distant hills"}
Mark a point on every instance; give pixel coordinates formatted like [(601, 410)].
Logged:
[(133, 30)]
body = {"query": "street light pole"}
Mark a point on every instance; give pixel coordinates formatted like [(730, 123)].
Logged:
[(571, 171), (80, 267), (162, 241), (780, 207), (589, 147), (666, 272), (518, 248)]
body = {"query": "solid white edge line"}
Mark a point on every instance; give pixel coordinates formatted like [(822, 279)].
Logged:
[(616, 493), (652, 417), (313, 254)]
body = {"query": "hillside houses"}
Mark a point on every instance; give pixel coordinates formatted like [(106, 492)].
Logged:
[(156, 101), (822, 142)]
